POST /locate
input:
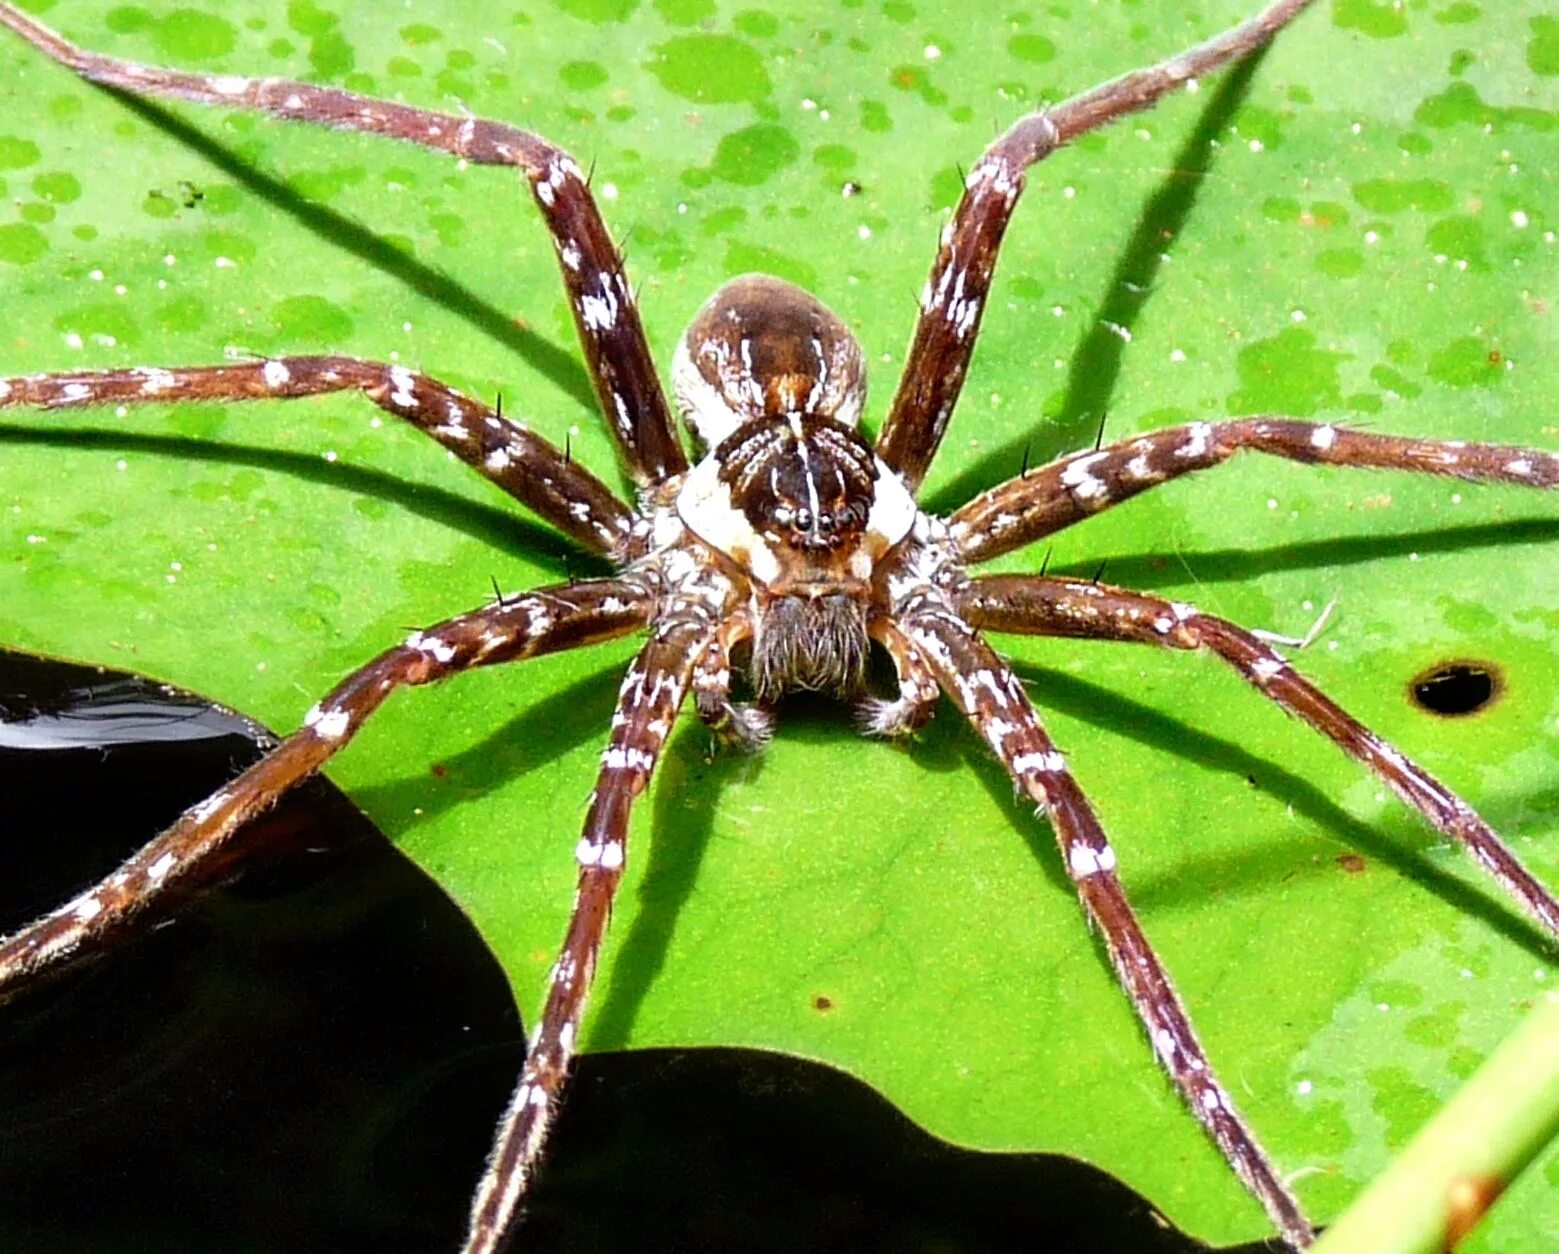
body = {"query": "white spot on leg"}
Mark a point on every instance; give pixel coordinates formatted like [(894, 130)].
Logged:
[(1265, 669), (439, 650), (1084, 860), (1323, 438), (202, 811), (1078, 476), (86, 908), (1199, 437), (1140, 468), (159, 869), (402, 382), (599, 313), (327, 726), (275, 374), (1048, 762)]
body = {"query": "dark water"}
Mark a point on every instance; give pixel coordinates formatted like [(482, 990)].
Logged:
[(310, 1056)]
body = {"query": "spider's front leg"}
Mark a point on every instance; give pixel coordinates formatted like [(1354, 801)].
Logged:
[(986, 690), (647, 705), (918, 690), (524, 465), (1048, 498), (746, 726), (605, 314), (955, 294), (545, 621), (1061, 607)]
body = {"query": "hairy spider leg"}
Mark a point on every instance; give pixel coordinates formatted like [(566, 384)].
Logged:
[(603, 305), (746, 726), (1030, 605), (918, 688), (565, 616), (992, 698), (647, 705), (930, 643), (527, 467), (1050, 497), (954, 296)]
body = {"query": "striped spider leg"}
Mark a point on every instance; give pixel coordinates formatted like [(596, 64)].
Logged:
[(545, 621), (782, 554), (1058, 607), (602, 302)]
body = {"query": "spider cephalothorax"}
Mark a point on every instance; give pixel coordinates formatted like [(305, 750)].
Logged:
[(791, 545), (772, 383)]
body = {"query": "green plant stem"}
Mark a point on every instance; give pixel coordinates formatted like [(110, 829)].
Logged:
[(1471, 1150)]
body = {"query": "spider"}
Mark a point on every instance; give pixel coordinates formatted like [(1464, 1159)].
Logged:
[(786, 549)]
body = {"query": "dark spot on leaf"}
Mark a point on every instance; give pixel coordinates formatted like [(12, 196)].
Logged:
[(822, 1004), (1455, 689), (1353, 863)]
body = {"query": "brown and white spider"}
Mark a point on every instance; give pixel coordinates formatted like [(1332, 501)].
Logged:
[(912, 582)]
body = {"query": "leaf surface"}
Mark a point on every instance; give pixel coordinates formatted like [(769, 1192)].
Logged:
[(1361, 231)]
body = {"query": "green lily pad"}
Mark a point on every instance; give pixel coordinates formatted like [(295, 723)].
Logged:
[(1362, 231)]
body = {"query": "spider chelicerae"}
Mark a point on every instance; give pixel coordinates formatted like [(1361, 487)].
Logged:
[(786, 550)]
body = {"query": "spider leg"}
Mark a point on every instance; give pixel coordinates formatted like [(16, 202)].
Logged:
[(742, 725), (1060, 607), (986, 690), (651, 694), (524, 465), (918, 690), (547, 620), (605, 315), (954, 295), (1044, 500)]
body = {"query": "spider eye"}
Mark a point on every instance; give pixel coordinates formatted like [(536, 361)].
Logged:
[(762, 348)]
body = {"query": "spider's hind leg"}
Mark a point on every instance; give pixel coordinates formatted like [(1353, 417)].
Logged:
[(989, 694), (1035, 605)]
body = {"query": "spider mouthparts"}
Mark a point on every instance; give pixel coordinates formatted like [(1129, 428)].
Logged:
[(816, 642)]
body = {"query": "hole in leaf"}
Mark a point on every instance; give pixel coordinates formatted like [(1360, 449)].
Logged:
[(1456, 689)]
